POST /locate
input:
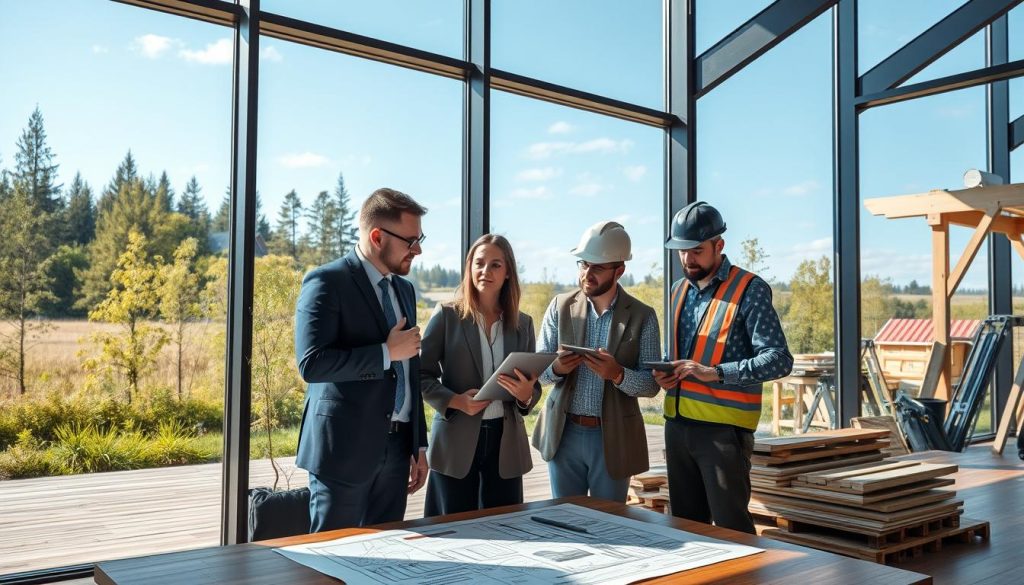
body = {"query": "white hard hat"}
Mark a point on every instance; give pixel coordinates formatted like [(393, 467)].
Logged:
[(605, 241)]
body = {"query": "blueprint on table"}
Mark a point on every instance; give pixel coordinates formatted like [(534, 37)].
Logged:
[(513, 548)]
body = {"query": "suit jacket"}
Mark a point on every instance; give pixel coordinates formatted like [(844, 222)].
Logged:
[(451, 364), (623, 433), (339, 330)]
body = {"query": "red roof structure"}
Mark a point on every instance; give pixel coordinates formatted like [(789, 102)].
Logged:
[(920, 330)]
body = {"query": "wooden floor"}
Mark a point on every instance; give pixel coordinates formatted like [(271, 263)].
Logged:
[(58, 521), (103, 513)]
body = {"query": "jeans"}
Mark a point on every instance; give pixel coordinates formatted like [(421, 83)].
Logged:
[(578, 466)]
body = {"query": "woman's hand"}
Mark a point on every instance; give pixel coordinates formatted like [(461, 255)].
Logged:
[(520, 386), (465, 403)]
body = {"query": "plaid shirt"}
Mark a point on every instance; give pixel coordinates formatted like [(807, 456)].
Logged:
[(589, 392)]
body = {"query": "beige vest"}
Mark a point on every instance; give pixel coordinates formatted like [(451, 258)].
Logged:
[(625, 440)]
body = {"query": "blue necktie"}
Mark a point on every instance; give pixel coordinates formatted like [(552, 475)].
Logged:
[(389, 316)]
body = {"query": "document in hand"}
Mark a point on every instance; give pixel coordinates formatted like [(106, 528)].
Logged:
[(531, 364)]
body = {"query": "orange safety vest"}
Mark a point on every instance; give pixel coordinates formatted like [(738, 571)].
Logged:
[(713, 401)]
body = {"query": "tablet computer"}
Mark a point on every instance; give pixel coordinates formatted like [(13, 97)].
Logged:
[(660, 366), (531, 364), (581, 350)]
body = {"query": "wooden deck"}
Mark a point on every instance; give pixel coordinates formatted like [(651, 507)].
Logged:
[(58, 521)]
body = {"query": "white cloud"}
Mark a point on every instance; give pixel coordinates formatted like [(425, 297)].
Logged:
[(100, 49), (220, 52), (538, 174), (604, 145), (270, 53), (589, 189), (635, 172), (153, 46), (542, 150), (803, 188), (539, 192), (560, 127), (305, 160)]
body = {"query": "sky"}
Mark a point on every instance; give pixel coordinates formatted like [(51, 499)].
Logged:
[(109, 78)]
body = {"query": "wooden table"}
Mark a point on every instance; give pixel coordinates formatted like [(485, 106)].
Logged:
[(257, 563)]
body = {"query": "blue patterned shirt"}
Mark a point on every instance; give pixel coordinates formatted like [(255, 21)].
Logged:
[(756, 349), (589, 392)]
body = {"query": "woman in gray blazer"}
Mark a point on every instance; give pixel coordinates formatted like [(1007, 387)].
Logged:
[(478, 451)]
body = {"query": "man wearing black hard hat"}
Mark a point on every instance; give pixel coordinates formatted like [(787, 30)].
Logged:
[(725, 342)]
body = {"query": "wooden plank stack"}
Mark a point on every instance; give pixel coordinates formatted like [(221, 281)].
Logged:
[(836, 491), (650, 489)]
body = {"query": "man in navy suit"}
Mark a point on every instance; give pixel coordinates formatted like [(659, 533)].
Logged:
[(363, 438)]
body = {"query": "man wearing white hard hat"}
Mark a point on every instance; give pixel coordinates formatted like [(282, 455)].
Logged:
[(591, 431)]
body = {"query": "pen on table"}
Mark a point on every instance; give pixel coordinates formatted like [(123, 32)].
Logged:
[(558, 524), (429, 534)]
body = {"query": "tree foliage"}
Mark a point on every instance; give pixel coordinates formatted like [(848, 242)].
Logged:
[(131, 303)]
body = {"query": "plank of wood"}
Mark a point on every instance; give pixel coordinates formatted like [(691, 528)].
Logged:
[(819, 452), (887, 479), (823, 478), (897, 444), (816, 439), (792, 470), (874, 497), (910, 500), (866, 526), (851, 513)]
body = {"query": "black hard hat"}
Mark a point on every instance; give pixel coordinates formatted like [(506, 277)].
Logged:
[(696, 223)]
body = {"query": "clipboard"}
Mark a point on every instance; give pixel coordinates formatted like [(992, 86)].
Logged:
[(531, 364)]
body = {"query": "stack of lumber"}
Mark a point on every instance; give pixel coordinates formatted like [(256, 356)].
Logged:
[(650, 489), (877, 509), (777, 461)]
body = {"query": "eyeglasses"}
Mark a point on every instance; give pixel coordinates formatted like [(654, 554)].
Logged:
[(411, 241), (596, 269)]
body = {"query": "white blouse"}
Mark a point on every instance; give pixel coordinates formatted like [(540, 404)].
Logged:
[(492, 353)]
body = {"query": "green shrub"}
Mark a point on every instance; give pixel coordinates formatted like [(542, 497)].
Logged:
[(89, 450), (174, 445), (25, 459)]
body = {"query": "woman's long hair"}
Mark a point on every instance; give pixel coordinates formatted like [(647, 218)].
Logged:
[(467, 299)]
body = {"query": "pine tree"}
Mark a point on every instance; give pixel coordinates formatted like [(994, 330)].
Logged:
[(79, 216), (127, 172), (193, 206), (34, 170), (24, 282), (135, 208), (345, 219), (287, 232), (322, 220), (222, 221), (164, 193)]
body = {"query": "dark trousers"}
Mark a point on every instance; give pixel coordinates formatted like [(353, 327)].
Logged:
[(482, 487), (709, 473), (334, 503)]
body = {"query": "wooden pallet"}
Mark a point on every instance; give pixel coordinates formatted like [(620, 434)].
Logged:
[(878, 530), (965, 530)]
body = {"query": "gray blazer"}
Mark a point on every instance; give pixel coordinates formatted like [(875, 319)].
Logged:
[(450, 364)]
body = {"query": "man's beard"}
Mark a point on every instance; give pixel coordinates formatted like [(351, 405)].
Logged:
[(600, 290), (700, 274)]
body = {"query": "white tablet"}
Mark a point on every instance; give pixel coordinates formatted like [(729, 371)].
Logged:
[(531, 364)]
